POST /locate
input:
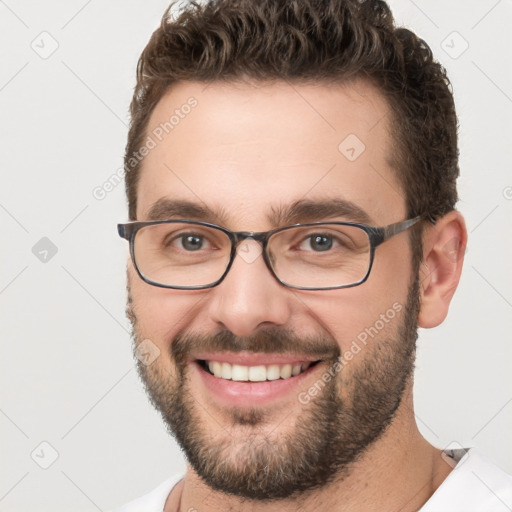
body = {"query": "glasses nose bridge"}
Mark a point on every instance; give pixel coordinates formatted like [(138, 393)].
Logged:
[(259, 236)]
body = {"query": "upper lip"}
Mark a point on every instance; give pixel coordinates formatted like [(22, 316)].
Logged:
[(253, 359)]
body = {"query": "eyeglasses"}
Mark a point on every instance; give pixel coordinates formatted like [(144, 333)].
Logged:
[(193, 255)]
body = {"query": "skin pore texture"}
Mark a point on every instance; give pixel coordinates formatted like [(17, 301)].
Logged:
[(245, 155)]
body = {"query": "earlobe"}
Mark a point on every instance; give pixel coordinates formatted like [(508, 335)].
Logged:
[(444, 245)]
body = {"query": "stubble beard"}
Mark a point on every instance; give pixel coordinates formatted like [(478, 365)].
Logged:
[(329, 434)]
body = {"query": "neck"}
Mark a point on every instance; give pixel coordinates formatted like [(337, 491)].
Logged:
[(400, 471)]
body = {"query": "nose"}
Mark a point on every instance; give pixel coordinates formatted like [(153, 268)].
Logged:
[(249, 297)]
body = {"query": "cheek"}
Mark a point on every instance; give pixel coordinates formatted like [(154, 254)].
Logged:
[(161, 313), (357, 317)]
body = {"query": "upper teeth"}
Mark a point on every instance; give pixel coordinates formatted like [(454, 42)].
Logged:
[(255, 373)]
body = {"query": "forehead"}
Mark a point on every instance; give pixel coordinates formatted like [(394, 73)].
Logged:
[(248, 149)]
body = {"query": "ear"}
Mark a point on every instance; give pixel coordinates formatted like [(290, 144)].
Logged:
[(444, 245)]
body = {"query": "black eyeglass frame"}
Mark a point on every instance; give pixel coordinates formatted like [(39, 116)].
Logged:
[(376, 235)]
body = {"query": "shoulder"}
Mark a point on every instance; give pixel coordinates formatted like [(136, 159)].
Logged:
[(474, 485), (154, 501)]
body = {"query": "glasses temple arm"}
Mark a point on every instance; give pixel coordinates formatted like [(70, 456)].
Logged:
[(396, 228)]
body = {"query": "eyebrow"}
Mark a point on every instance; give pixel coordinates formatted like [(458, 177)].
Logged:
[(311, 211), (298, 212), (171, 208)]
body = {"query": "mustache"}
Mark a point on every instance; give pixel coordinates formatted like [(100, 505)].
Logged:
[(273, 340)]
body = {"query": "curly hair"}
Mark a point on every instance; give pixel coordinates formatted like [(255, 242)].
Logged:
[(312, 41)]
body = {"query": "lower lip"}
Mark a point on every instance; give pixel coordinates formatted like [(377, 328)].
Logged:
[(238, 394)]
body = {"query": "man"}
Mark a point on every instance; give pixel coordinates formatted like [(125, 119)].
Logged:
[(290, 172)]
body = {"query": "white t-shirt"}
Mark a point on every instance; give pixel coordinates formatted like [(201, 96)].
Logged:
[(474, 485)]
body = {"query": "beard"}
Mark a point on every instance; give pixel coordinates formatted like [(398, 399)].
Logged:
[(331, 432)]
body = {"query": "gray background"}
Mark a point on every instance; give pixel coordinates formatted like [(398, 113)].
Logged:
[(67, 374)]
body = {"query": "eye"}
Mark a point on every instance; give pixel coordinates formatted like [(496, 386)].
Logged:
[(191, 242), (188, 242), (317, 243)]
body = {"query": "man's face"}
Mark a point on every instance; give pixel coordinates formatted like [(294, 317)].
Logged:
[(246, 154)]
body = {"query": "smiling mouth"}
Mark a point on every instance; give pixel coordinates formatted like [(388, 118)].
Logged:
[(258, 373)]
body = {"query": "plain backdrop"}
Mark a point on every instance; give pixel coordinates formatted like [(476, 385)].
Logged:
[(71, 401)]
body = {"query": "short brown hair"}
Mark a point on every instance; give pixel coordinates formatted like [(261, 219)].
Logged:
[(311, 41)]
